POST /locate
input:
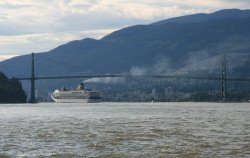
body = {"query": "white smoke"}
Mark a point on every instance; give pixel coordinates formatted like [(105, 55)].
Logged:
[(136, 71), (161, 66), (106, 80)]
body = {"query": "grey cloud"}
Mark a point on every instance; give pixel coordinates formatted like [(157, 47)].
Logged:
[(14, 6), (12, 29), (245, 1), (96, 21), (53, 16)]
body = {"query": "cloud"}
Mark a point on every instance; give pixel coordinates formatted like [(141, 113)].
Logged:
[(44, 41), (30, 16), (4, 57), (53, 21)]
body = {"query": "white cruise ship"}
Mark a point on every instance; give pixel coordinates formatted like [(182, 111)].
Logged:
[(79, 95)]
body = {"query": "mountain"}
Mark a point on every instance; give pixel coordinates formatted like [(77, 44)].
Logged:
[(190, 44)]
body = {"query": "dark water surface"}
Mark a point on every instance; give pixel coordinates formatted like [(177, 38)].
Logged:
[(125, 130)]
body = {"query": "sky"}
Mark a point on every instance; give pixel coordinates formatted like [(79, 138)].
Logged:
[(28, 26)]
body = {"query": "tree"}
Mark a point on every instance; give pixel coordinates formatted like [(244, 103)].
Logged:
[(11, 90)]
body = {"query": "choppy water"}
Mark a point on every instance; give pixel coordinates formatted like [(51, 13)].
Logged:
[(125, 130)]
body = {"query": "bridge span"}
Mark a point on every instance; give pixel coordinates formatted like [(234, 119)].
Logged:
[(223, 78)]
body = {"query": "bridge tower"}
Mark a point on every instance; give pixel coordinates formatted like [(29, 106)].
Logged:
[(32, 90), (223, 78)]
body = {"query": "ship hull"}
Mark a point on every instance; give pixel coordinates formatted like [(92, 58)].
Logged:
[(75, 100)]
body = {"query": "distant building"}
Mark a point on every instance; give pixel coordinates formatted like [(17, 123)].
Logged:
[(168, 92)]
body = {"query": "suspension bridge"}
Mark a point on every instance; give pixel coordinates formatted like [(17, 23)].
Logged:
[(223, 78)]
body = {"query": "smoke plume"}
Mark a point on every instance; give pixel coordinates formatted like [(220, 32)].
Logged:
[(106, 80)]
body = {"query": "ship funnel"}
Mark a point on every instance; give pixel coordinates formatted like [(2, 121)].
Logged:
[(82, 86)]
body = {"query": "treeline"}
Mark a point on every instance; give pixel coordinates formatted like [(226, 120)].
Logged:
[(11, 90)]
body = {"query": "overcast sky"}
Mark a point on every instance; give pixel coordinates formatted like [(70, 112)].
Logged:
[(40, 25)]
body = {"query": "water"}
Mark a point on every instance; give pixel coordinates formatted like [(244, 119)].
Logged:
[(125, 130)]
